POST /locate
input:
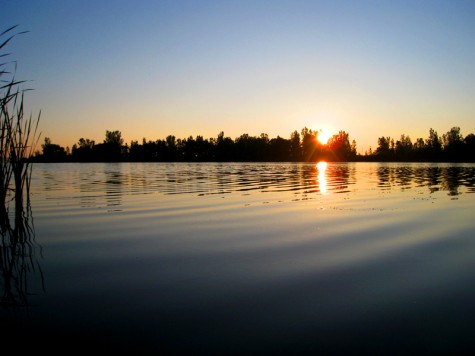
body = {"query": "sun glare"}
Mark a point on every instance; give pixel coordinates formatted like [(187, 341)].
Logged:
[(322, 165), (323, 137), (322, 180)]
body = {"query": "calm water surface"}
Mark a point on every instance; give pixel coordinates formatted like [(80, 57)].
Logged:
[(253, 258)]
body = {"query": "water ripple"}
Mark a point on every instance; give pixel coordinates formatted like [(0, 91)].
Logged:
[(113, 181)]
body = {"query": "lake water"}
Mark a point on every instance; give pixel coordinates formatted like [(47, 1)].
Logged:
[(248, 258)]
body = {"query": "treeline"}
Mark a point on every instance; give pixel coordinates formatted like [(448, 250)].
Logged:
[(450, 147), (302, 146)]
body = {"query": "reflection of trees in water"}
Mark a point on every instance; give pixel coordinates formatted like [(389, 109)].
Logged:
[(302, 180), (113, 180), (384, 177), (339, 177), (103, 188), (224, 178), (435, 178), (451, 181), (18, 262), (455, 177), (400, 176), (404, 176)]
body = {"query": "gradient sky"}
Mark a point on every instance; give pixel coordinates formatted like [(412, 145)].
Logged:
[(154, 68)]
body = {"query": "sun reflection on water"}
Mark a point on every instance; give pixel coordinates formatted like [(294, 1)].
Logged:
[(322, 181)]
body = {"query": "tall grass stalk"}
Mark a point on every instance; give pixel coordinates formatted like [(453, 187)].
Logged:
[(18, 136)]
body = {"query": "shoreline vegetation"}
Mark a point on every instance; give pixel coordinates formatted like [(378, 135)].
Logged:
[(18, 136), (18, 139), (302, 146)]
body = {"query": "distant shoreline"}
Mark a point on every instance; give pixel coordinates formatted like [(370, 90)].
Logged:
[(364, 160), (304, 146)]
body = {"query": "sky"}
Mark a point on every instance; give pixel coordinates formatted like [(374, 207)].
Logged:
[(156, 68)]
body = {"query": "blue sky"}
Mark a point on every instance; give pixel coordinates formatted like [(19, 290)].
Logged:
[(153, 68)]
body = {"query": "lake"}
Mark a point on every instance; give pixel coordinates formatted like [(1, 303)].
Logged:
[(173, 258)]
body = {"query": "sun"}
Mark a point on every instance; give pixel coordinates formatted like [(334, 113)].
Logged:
[(323, 136)]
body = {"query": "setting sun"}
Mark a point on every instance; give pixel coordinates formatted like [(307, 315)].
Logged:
[(323, 136)]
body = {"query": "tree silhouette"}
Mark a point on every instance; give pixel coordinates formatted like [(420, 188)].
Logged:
[(340, 149), (453, 144), (53, 152), (299, 147), (384, 152), (404, 148), (111, 149), (83, 150), (469, 148)]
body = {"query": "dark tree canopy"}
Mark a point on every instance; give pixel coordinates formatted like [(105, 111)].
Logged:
[(302, 146), (53, 152)]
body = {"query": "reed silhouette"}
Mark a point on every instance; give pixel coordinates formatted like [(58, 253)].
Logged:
[(18, 134), (18, 262), (18, 137)]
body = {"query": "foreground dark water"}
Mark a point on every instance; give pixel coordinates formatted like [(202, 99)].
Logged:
[(248, 258)]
